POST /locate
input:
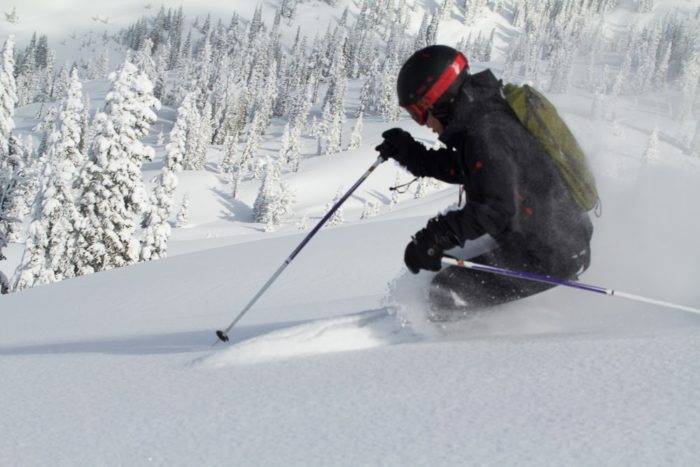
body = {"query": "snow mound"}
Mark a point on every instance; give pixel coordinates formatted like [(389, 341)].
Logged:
[(365, 330), (560, 311)]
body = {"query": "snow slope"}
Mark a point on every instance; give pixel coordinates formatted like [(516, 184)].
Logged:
[(336, 367), (117, 368)]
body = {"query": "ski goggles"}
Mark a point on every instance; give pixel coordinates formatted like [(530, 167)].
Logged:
[(419, 110)]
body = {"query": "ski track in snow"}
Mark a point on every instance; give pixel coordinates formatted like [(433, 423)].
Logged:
[(372, 328)]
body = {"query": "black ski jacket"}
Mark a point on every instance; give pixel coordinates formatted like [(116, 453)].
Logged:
[(514, 190)]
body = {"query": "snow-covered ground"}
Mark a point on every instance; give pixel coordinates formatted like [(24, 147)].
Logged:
[(336, 365)]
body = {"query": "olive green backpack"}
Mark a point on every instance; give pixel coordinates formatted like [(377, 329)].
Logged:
[(540, 117)]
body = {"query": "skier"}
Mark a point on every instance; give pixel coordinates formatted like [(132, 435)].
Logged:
[(514, 191)]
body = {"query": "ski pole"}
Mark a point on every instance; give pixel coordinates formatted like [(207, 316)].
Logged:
[(565, 282), (223, 334)]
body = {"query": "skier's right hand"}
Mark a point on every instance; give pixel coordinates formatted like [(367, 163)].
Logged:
[(422, 253), (400, 146)]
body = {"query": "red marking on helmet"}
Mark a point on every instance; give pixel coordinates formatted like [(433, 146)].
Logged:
[(419, 110), (478, 165), (529, 211), (429, 78), (445, 80)]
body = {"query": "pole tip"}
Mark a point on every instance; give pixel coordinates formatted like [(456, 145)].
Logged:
[(222, 336)]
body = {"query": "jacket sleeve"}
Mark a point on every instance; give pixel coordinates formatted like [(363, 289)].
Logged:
[(442, 163), (492, 180)]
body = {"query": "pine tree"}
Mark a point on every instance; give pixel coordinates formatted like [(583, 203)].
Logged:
[(231, 154), (236, 175), (303, 223), (183, 215), (356, 136), (294, 153), (651, 152), (185, 137), (156, 228), (203, 139), (61, 83), (388, 105), (72, 122), (334, 135), (645, 6), (252, 143), (111, 189), (13, 191), (365, 96), (274, 200), (338, 216), (102, 66), (690, 82), (50, 246), (8, 170), (285, 144), (8, 95)]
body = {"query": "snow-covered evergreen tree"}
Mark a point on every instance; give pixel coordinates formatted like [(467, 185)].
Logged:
[(255, 131), (50, 245), (294, 152), (8, 95), (8, 167), (303, 223), (71, 123), (156, 228), (236, 176), (144, 61), (274, 201), (202, 139), (185, 137), (356, 136), (690, 83), (651, 152), (285, 143), (338, 216), (183, 215), (102, 65), (111, 190), (61, 83), (231, 154)]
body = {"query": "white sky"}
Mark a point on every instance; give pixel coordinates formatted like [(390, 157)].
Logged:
[(59, 18)]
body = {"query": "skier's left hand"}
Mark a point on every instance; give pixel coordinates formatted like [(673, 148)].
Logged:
[(421, 253)]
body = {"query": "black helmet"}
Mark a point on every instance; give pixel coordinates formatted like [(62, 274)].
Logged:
[(427, 76)]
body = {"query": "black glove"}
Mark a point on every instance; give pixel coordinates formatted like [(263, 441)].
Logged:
[(422, 253), (400, 146), (425, 251)]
